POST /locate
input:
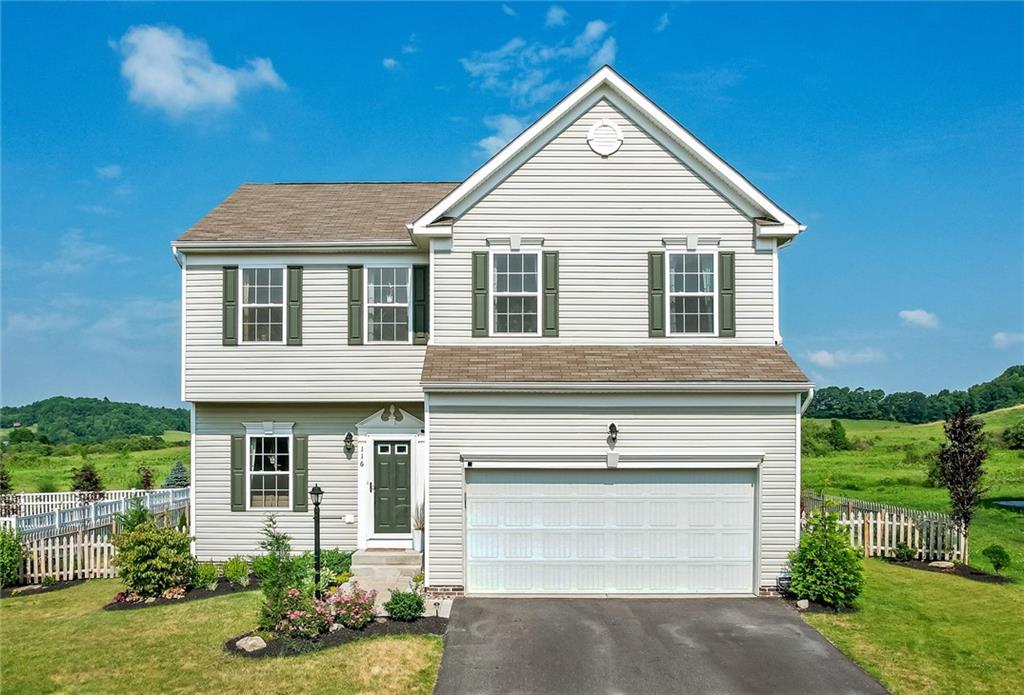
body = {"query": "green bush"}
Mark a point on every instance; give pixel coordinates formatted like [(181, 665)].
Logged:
[(998, 556), (825, 568), (336, 561), (1013, 436), (404, 605), (135, 516), (904, 553), (836, 436), (236, 571), (151, 559), (813, 441), (277, 571), (206, 575), (10, 557)]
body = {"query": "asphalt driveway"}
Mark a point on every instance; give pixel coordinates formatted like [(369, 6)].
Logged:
[(648, 646)]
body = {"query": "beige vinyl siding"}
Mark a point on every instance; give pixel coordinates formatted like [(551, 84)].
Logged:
[(324, 368), (603, 215), (560, 425), (221, 533)]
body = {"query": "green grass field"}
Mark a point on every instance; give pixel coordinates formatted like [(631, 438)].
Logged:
[(117, 471), (880, 474), (63, 642)]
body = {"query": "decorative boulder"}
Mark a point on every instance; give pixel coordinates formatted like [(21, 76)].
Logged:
[(252, 643), (803, 604), (941, 564)]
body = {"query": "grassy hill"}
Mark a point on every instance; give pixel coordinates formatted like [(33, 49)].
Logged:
[(64, 420), (892, 470)]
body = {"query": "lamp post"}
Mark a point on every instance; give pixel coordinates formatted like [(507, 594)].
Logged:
[(316, 494)]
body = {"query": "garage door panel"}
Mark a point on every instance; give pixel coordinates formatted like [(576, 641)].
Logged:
[(607, 531)]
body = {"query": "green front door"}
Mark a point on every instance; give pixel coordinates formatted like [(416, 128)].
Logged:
[(391, 487)]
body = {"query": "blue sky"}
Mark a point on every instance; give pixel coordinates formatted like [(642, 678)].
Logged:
[(893, 131)]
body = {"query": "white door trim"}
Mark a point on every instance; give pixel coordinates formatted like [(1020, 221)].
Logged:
[(365, 537)]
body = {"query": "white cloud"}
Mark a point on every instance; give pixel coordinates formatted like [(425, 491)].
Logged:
[(842, 358), (524, 71), (662, 24), (605, 54), (505, 128), (389, 63), (1002, 340), (509, 11), (109, 171), (412, 46), (76, 254), (920, 317), (176, 74), (556, 16)]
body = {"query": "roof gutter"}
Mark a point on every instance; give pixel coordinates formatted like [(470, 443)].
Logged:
[(308, 246), (633, 386)]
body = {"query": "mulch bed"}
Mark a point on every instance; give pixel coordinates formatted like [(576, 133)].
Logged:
[(965, 571), (814, 607), (34, 589), (288, 646), (224, 587)]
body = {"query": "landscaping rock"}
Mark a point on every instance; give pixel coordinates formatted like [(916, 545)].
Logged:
[(803, 604), (252, 643), (942, 565), (151, 599)]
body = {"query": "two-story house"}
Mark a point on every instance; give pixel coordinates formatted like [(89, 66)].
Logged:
[(566, 369)]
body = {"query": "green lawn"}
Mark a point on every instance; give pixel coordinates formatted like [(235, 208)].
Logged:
[(925, 632), (63, 642), (117, 471), (880, 474)]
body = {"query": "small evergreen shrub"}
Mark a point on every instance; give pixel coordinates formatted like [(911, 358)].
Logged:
[(145, 477), (152, 559), (277, 571), (236, 571), (49, 580), (998, 556), (135, 516), (85, 480), (178, 477), (206, 575), (904, 553), (825, 568), (404, 605), (10, 557)]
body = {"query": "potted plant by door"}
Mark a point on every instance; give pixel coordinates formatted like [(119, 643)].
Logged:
[(417, 529)]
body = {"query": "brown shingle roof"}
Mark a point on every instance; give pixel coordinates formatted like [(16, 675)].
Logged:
[(580, 364), (318, 212)]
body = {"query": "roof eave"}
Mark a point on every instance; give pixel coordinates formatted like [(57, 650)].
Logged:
[(307, 246), (631, 386)]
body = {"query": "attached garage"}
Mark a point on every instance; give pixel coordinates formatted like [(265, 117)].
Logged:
[(609, 531)]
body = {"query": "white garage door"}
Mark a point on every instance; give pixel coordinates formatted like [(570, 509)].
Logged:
[(610, 531)]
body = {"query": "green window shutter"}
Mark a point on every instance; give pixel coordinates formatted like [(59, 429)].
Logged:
[(420, 304), (480, 313), (727, 294), (355, 305), (300, 474), (551, 294), (656, 294), (237, 473), (230, 314), (295, 305)]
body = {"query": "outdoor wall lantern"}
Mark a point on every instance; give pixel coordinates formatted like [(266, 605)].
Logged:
[(317, 496), (350, 444), (613, 433)]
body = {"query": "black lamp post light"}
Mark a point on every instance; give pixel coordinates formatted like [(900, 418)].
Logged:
[(317, 495)]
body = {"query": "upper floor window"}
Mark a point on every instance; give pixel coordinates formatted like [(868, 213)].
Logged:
[(387, 305), (269, 471), (262, 305), (691, 285), (515, 291)]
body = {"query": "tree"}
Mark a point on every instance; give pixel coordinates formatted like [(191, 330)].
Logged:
[(836, 436), (6, 487), (1014, 435), (178, 477), (86, 481), (961, 457), (145, 477)]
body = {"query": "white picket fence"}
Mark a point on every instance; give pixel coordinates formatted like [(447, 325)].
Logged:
[(94, 514), (28, 503), (878, 529)]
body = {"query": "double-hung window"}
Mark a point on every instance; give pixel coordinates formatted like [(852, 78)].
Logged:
[(515, 292), (262, 305), (387, 305), (269, 471), (691, 285)]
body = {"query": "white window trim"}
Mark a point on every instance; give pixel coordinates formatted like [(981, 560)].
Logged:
[(492, 293), (284, 303), (669, 293), (367, 303), (269, 429)]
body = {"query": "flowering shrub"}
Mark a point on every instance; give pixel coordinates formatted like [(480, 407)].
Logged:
[(127, 597), (352, 609), (303, 617)]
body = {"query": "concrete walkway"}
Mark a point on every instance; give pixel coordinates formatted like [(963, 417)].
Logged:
[(647, 646)]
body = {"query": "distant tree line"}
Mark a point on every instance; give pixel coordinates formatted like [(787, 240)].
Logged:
[(1004, 391), (64, 420)]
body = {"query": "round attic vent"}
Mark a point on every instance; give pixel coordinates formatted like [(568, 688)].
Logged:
[(604, 137)]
